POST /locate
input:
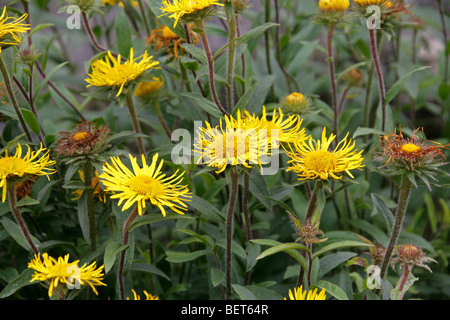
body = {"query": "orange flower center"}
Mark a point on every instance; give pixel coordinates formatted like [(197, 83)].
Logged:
[(81, 136), (411, 148)]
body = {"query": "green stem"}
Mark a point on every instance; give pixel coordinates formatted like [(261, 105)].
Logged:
[(126, 234), (88, 174), (245, 205), (12, 97), (312, 202), (12, 196), (144, 17), (405, 191), (135, 120), (333, 78), (231, 54), (234, 184), (160, 116), (267, 44)]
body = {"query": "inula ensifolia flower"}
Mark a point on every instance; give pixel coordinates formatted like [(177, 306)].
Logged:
[(11, 29), (315, 160), (334, 5), (148, 296), (97, 189), (112, 73), (189, 10), (61, 272), (87, 138), (22, 166), (236, 142), (300, 294), (145, 184)]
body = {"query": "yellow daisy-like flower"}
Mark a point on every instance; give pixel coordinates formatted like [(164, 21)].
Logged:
[(96, 187), (374, 2), (237, 144), (16, 166), (134, 3), (63, 272), (334, 5), (278, 129), (146, 184), (313, 160), (112, 73), (11, 29), (299, 294), (148, 296), (181, 8)]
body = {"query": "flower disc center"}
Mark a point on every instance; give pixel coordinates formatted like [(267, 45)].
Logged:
[(146, 186), (320, 161), (411, 148)]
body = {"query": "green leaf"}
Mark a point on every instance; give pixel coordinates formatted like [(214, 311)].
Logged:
[(111, 251), (396, 87), (47, 78), (205, 104), (11, 143), (206, 208), (16, 233), (123, 33), (23, 280), (217, 277), (340, 244), (243, 292), (145, 267), (332, 289), (149, 219), (26, 201), (282, 247), (40, 27), (31, 120), (384, 211), (180, 257)]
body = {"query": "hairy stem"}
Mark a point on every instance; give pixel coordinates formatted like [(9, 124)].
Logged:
[(161, 119), (126, 234), (376, 60), (333, 78), (245, 205), (88, 174), (135, 120), (229, 226), (267, 44), (231, 54), (12, 196), (403, 197), (12, 97), (212, 81)]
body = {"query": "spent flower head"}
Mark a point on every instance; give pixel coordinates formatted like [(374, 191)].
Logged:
[(11, 29), (400, 155), (88, 138), (410, 255)]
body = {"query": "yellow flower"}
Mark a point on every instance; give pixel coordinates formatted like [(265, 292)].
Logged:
[(62, 272), (180, 8), (148, 296), (134, 3), (299, 294), (96, 187), (112, 73), (334, 5), (374, 2), (12, 167), (11, 29), (237, 144), (284, 129), (146, 184), (313, 160), (147, 88)]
